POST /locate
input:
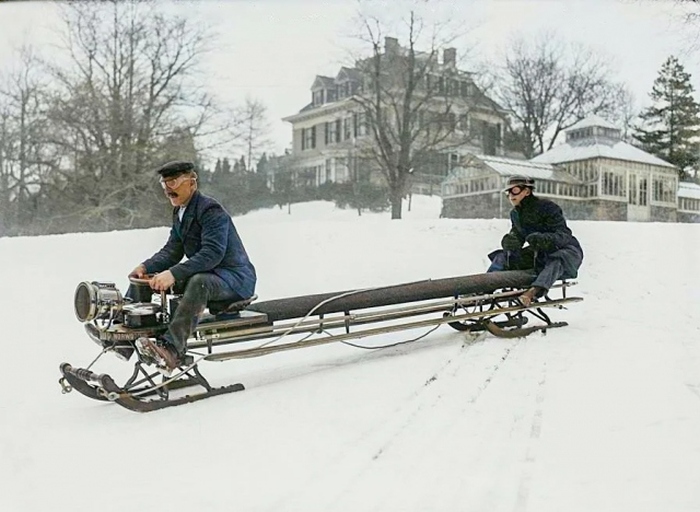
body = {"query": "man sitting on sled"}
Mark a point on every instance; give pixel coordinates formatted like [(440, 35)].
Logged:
[(552, 251), (217, 268)]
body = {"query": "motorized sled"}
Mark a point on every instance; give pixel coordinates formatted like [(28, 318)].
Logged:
[(486, 303)]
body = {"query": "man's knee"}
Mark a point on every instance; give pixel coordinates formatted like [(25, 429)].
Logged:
[(199, 287)]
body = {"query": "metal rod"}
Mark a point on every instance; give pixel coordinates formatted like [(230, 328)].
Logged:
[(260, 351)]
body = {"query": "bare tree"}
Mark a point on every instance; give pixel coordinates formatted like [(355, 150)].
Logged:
[(547, 87), (255, 129), (413, 104), (24, 161), (125, 96)]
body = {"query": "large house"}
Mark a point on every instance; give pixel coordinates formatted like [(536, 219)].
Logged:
[(329, 133), (593, 175)]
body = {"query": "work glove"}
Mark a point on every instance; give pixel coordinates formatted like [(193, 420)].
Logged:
[(511, 242), (539, 241)]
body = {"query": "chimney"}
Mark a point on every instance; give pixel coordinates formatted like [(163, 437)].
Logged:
[(391, 46), (449, 57)]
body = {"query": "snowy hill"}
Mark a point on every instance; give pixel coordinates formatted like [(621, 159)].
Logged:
[(601, 415)]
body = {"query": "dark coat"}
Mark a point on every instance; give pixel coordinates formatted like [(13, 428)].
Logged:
[(538, 215), (211, 243)]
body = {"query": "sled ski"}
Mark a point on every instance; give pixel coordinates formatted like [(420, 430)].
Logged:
[(139, 397), (245, 329)]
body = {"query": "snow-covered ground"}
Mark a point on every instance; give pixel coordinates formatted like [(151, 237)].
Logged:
[(602, 415)]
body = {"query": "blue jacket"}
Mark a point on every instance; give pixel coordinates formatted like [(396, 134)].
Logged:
[(537, 215), (211, 243)]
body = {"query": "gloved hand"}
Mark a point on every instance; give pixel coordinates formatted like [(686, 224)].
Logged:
[(539, 241), (511, 242)]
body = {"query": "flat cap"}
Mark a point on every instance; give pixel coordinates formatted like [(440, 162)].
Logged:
[(174, 168), (519, 181)]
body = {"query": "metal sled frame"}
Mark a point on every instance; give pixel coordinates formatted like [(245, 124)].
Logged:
[(482, 302)]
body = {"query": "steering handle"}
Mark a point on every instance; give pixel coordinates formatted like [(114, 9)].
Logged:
[(141, 280)]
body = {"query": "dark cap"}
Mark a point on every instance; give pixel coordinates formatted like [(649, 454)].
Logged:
[(174, 168), (519, 181)]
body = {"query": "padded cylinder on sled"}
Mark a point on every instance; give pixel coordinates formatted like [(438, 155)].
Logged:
[(295, 307)]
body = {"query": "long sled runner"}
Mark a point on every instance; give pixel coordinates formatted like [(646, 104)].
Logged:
[(475, 303)]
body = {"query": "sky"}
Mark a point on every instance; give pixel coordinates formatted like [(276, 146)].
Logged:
[(273, 49), (601, 415)]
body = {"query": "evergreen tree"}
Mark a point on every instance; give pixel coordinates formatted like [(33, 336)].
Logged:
[(226, 166), (670, 125), (261, 167)]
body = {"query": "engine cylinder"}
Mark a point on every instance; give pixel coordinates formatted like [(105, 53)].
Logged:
[(96, 300)]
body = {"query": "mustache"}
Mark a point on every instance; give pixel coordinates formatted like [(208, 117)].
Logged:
[(171, 194)]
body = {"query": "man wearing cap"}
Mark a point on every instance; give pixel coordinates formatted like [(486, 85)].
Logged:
[(552, 250), (217, 265)]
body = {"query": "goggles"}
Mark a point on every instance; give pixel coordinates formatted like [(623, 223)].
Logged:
[(514, 191), (174, 182)]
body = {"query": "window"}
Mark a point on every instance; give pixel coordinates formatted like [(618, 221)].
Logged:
[(347, 128), (633, 192), (329, 169), (360, 124), (308, 138), (491, 137), (663, 190), (690, 204), (454, 161), (613, 184), (333, 132), (343, 90), (643, 191)]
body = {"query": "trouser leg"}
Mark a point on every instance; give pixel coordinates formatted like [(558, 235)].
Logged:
[(498, 261), (200, 289), (552, 271)]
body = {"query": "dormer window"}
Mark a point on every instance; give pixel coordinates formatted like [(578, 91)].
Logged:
[(317, 97)]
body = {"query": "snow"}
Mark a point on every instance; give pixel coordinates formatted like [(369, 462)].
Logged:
[(603, 147), (601, 415), (509, 167), (591, 121), (688, 189)]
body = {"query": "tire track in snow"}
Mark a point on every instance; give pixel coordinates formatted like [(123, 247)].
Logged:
[(366, 448), (531, 452), (486, 477), (426, 401), (401, 414), (436, 395)]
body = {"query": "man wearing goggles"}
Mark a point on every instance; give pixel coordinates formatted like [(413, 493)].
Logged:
[(552, 251), (217, 266)]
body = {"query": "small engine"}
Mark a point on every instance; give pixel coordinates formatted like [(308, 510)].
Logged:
[(97, 300), (103, 301)]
